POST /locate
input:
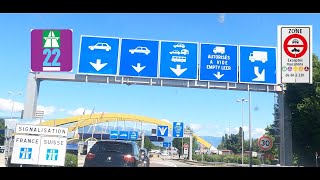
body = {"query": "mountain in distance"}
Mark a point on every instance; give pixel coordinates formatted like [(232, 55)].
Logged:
[(214, 141)]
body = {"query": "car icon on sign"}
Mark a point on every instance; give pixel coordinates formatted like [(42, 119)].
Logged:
[(174, 52), (179, 45), (184, 51), (140, 49), (103, 46)]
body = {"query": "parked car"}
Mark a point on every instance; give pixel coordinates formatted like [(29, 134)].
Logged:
[(114, 153), (2, 149), (145, 157)]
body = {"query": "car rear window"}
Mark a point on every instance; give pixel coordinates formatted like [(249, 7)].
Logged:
[(104, 147)]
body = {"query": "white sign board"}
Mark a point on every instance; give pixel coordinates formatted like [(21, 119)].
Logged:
[(52, 151), (90, 144), (25, 149), (295, 53), (41, 130)]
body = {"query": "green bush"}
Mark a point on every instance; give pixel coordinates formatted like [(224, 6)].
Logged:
[(267, 161), (71, 160), (197, 157), (256, 161)]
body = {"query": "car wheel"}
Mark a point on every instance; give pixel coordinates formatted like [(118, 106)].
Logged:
[(131, 52), (91, 48)]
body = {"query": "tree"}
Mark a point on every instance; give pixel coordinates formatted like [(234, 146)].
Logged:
[(2, 127), (304, 103), (234, 143), (147, 144)]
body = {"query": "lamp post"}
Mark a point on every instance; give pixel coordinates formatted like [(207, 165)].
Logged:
[(242, 101), (13, 94)]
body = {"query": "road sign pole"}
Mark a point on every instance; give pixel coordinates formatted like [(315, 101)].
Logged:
[(142, 140), (190, 147), (250, 139)]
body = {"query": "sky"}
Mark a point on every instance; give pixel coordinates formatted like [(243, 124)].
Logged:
[(208, 112)]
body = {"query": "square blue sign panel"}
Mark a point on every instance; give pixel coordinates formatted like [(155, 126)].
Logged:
[(114, 134), (98, 55), (258, 65), (162, 131), (123, 135), (133, 135), (139, 58), (219, 63), (178, 129), (179, 60)]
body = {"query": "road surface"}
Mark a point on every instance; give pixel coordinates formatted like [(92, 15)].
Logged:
[(163, 161), (2, 161)]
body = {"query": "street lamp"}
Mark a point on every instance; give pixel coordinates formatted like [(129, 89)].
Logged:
[(242, 101), (13, 94)]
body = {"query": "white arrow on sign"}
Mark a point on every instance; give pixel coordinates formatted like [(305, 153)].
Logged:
[(218, 75), (138, 68), (98, 66), (260, 76), (178, 71), (162, 130)]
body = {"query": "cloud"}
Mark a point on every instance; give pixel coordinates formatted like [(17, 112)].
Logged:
[(47, 110), (11, 123), (221, 18), (6, 106), (195, 127), (79, 111), (258, 132), (166, 120)]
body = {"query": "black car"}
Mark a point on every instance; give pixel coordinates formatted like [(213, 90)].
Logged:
[(145, 157), (114, 153)]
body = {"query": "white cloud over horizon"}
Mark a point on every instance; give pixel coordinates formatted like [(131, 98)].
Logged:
[(221, 18), (7, 104), (79, 111)]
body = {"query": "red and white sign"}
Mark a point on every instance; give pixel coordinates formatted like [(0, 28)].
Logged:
[(295, 53), (186, 145), (265, 143)]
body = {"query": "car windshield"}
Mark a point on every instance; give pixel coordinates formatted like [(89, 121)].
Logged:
[(104, 147)]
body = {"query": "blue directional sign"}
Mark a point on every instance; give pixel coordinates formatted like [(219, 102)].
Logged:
[(139, 58), (179, 60), (163, 131), (177, 129), (165, 144), (98, 55), (218, 63), (258, 65), (133, 135), (123, 135), (114, 134)]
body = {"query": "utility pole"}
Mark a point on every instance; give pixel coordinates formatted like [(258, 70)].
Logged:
[(242, 133), (142, 140)]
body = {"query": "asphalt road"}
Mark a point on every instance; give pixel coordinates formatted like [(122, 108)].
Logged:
[(162, 161), (2, 161)]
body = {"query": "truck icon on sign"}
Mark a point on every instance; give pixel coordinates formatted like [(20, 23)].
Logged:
[(258, 56), (219, 49)]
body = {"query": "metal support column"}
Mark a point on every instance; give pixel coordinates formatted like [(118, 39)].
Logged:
[(285, 132), (32, 93)]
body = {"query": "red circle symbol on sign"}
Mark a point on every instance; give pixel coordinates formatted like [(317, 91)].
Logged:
[(186, 145), (265, 143), (295, 45)]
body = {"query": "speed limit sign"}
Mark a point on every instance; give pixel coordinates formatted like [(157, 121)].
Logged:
[(265, 143)]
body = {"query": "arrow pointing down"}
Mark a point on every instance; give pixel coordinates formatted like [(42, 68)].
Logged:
[(178, 71), (98, 66), (218, 75), (138, 68)]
